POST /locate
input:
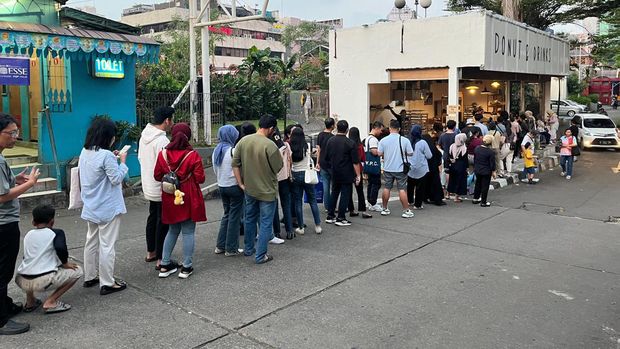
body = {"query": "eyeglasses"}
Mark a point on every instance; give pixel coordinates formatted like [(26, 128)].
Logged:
[(13, 134)]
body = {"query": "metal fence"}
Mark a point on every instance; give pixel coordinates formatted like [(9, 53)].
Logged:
[(147, 103), (316, 115)]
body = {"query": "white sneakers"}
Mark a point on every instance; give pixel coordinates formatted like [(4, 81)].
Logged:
[(276, 241), (562, 174), (568, 177), (407, 214), (385, 211), (376, 207), (318, 229), (299, 231)]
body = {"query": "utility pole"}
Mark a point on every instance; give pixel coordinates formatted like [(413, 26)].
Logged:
[(193, 78), (206, 71)]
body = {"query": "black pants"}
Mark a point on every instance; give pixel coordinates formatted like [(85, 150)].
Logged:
[(374, 185), (434, 190), (517, 151), (9, 249), (156, 231), (344, 191), (482, 187), (361, 199), (417, 187)]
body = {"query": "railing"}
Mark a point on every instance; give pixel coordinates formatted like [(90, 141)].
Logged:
[(147, 103)]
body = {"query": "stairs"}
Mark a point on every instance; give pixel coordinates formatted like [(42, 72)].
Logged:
[(45, 191)]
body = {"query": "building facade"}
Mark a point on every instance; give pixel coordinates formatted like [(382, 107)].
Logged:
[(438, 74)]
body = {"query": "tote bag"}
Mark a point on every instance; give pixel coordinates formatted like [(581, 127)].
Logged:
[(75, 193), (311, 176)]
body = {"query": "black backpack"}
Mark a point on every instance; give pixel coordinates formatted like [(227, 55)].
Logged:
[(171, 182)]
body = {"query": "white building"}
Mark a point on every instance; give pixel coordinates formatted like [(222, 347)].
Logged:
[(442, 63), (237, 39)]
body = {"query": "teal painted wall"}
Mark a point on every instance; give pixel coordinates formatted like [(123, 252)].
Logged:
[(30, 11), (91, 96)]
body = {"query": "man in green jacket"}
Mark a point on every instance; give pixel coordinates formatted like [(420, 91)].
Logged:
[(256, 163)]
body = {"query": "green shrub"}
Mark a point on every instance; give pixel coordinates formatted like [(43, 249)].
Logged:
[(580, 99), (593, 98)]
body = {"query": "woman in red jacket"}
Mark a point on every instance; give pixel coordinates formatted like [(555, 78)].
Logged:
[(183, 213)]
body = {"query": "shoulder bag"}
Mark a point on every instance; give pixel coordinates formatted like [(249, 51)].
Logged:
[(372, 165), (310, 175), (575, 150), (406, 164), (75, 192)]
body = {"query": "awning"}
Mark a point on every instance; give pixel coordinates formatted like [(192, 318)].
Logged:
[(28, 38)]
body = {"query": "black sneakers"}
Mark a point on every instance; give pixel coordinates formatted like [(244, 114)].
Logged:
[(11, 327), (186, 272), (167, 270)]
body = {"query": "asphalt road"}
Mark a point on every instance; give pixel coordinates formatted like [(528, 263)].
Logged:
[(538, 269)]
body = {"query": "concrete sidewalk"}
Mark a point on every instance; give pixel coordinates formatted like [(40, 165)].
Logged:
[(538, 269)]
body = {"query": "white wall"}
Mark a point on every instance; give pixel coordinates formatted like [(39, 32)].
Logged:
[(363, 54), (555, 86)]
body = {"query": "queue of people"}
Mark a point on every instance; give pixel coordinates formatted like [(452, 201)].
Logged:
[(259, 172)]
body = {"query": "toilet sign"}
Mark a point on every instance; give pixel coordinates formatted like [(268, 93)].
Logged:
[(14, 71)]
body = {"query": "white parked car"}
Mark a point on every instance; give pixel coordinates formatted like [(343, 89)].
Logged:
[(598, 131)]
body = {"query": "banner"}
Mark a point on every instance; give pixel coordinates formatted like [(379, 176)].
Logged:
[(14, 71)]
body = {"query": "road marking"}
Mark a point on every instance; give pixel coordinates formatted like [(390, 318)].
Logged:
[(566, 296)]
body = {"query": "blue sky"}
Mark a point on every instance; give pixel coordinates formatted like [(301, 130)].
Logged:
[(354, 12)]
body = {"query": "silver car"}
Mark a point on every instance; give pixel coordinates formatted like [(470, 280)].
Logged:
[(566, 108)]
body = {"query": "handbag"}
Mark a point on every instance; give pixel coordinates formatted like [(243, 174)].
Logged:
[(372, 165), (310, 175), (75, 192), (406, 164), (575, 150)]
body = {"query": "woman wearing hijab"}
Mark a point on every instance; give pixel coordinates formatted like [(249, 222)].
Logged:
[(354, 135), (434, 189), (180, 158), (484, 168), (458, 163), (230, 192), (417, 178)]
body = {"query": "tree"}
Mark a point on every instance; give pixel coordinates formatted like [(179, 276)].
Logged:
[(539, 13), (607, 49), (308, 37)]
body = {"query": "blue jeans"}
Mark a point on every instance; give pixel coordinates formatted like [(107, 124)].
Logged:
[(261, 213), (299, 187), (232, 200), (326, 178), (284, 191), (566, 161), (186, 228)]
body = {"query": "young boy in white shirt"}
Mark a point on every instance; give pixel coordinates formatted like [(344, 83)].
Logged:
[(45, 266)]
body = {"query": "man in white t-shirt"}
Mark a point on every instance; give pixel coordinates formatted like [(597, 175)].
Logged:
[(371, 147)]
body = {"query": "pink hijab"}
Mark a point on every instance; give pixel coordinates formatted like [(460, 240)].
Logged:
[(458, 148)]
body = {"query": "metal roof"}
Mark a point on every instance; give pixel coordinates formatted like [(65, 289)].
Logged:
[(93, 22), (94, 34)]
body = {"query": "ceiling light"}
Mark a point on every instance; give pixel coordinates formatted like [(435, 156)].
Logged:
[(472, 87), (485, 91), (495, 84)]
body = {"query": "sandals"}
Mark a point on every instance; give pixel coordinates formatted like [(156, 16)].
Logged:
[(34, 307), (59, 308), (149, 260), (366, 215)]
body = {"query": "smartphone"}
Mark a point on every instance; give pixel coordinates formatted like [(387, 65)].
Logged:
[(125, 149)]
